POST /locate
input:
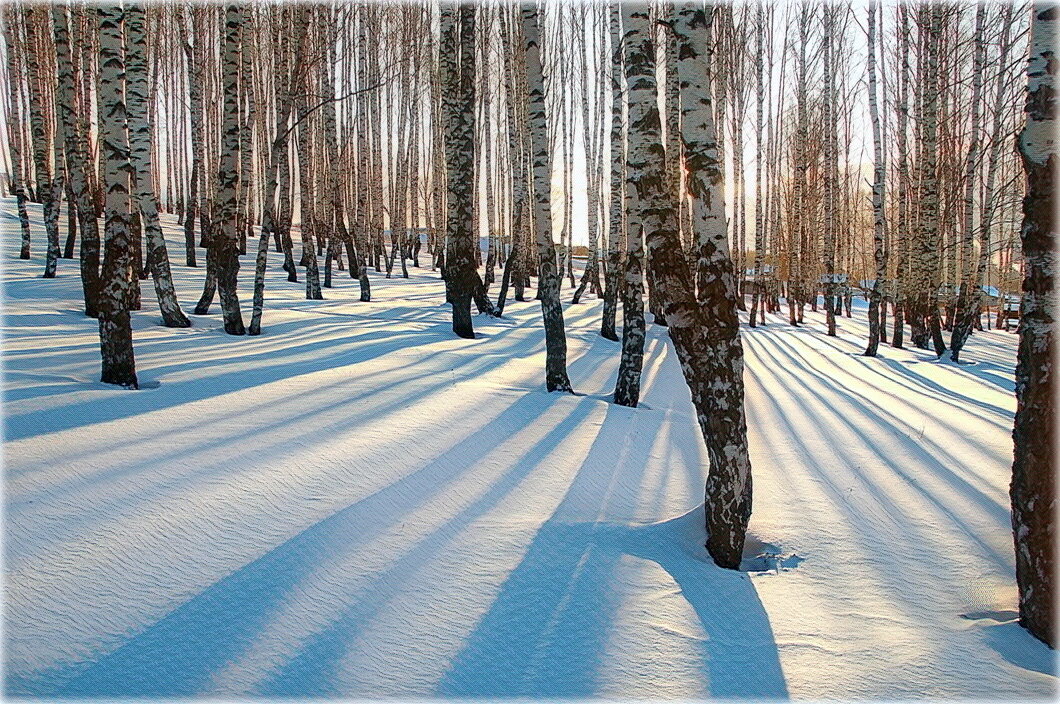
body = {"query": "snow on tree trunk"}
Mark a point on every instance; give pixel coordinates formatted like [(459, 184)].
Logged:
[(1033, 488), (548, 274), (115, 326), (703, 324)]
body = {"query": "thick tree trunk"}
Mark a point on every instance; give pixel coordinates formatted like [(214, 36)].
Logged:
[(115, 325), (1033, 489), (927, 326), (458, 105), (703, 324)]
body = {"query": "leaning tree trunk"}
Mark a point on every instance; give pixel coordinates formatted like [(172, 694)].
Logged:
[(140, 133), (288, 66), (644, 155), (548, 275), (77, 162), (1033, 490), (704, 324), (115, 325)]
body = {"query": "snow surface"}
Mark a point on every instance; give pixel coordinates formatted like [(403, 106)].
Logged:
[(356, 503)]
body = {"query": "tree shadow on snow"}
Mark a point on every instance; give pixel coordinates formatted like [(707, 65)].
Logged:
[(546, 632)]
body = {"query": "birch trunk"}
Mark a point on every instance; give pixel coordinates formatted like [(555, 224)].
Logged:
[(616, 224), (878, 175), (115, 325), (458, 104), (77, 161), (548, 275), (968, 297), (140, 136), (49, 183), (646, 156), (14, 141), (225, 241), (702, 319), (1033, 489)]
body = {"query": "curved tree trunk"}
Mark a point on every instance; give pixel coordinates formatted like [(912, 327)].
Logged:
[(77, 163), (702, 319), (140, 133)]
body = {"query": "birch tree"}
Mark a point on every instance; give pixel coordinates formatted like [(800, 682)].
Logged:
[(78, 162), (644, 148), (49, 179), (616, 218), (15, 119), (115, 325), (459, 109), (1033, 489), (878, 175), (140, 138), (548, 274), (225, 242), (702, 317)]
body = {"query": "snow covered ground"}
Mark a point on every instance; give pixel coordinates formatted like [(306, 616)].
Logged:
[(358, 504)]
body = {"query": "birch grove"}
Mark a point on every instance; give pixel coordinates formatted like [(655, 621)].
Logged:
[(736, 169)]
